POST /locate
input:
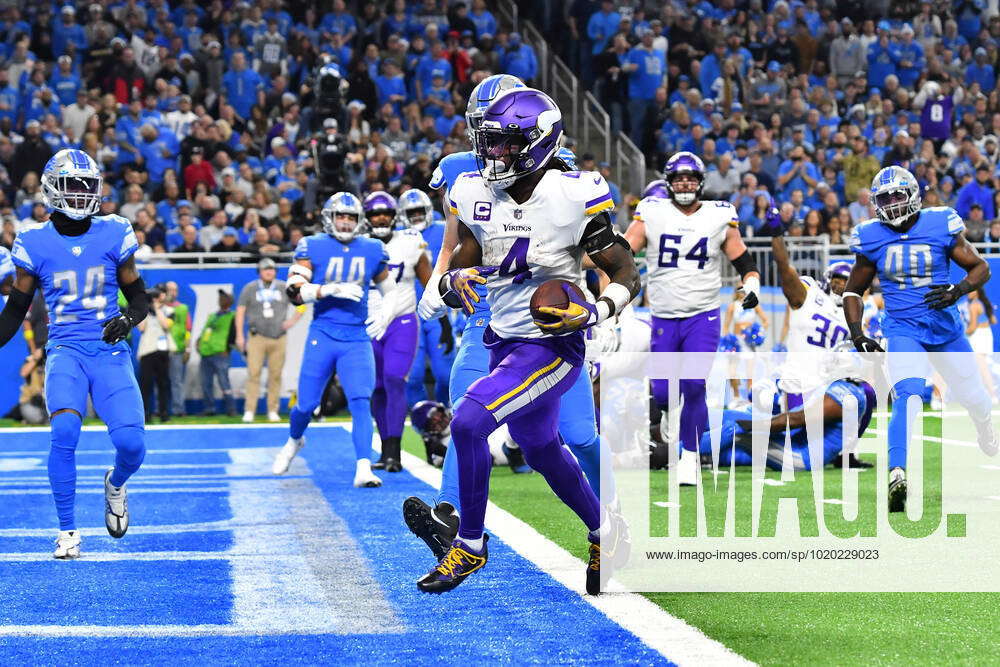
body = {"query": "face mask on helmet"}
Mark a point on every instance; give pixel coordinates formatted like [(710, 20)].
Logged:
[(690, 194), (71, 183), (895, 206), (380, 221), (519, 133), (342, 216), (415, 218)]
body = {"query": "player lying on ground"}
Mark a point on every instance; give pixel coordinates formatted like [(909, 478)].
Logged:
[(343, 265), (685, 239), (524, 221), (394, 325), (79, 260), (438, 526), (911, 250)]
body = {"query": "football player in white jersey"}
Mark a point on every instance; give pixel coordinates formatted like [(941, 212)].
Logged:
[(522, 222), (685, 239), (392, 323)]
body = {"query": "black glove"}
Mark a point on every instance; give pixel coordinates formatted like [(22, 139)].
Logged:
[(116, 329), (942, 296), (447, 338), (293, 294), (862, 343), (750, 301)]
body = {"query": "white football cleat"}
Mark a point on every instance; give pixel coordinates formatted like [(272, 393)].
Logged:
[(247, 417), (287, 453), (687, 468), (67, 545), (986, 436), (273, 417), (115, 507), (364, 477)]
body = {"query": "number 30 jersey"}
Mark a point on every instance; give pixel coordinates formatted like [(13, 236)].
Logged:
[(908, 264), (813, 328), (78, 275), (532, 242), (684, 255)]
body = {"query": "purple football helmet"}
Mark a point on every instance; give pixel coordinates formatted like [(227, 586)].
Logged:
[(835, 270), (656, 189), (376, 205), (518, 134), (684, 163)]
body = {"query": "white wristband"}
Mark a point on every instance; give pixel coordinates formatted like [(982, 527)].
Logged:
[(617, 294), (309, 292), (752, 284), (847, 294)]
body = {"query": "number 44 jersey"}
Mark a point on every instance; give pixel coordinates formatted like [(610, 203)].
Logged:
[(532, 242), (684, 255), (78, 275), (908, 264)]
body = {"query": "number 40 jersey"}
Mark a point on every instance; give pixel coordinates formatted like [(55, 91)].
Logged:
[(908, 264), (684, 255)]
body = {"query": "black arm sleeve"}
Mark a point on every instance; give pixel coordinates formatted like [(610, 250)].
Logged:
[(138, 302), (598, 235), (744, 264), (13, 314)]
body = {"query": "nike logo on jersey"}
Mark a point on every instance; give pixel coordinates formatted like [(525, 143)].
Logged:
[(116, 353), (712, 319), (77, 250)]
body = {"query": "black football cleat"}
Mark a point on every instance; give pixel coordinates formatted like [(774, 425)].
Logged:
[(454, 568), (609, 549), (515, 459), (390, 458), (436, 527), (897, 490), (852, 462)]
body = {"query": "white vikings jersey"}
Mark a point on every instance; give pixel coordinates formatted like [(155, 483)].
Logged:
[(816, 326), (405, 249), (532, 242), (684, 255)]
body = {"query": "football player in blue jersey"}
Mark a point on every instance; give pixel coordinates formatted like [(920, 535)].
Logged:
[(577, 418), (80, 260), (436, 342), (333, 270), (911, 250)]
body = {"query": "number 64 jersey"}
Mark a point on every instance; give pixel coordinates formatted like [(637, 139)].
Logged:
[(532, 242), (908, 264), (684, 255)]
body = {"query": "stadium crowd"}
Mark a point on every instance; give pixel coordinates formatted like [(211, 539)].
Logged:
[(805, 101)]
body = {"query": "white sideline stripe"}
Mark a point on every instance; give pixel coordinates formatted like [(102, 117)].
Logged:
[(46, 491), (100, 428), (670, 636), (163, 529), (105, 556)]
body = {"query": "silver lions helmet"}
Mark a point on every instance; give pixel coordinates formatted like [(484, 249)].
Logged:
[(342, 216)]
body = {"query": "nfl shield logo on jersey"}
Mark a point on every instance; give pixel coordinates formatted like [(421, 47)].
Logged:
[(518, 214), (77, 250)]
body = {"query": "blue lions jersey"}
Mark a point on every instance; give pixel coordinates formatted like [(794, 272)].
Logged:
[(6, 264), (357, 261), (78, 275), (908, 264)]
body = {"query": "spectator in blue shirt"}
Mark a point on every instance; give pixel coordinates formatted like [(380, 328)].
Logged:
[(67, 30), (711, 68), (447, 121), (910, 61), (10, 100), (680, 93), (339, 21), (646, 68), (485, 23), (797, 173), (602, 26), (437, 97), (241, 85), (519, 59), (43, 103), (433, 64), (65, 81), (882, 57), (981, 72), (157, 154), (391, 86), (977, 191)]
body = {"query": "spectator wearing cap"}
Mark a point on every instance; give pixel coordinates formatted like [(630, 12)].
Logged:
[(519, 59), (976, 224), (797, 172), (768, 94), (65, 81), (981, 72), (274, 163), (230, 241), (214, 343), (241, 85), (910, 61), (66, 31), (901, 152), (883, 56), (847, 55), (262, 319), (978, 191), (646, 69)]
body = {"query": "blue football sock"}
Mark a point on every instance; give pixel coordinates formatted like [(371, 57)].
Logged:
[(902, 418), (62, 466), (449, 478), (361, 426), (130, 450), (298, 419), (589, 456)]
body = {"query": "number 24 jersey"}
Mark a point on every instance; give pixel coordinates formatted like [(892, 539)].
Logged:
[(908, 264)]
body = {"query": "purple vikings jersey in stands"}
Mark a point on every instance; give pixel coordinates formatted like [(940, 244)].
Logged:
[(908, 264), (356, 262), (78, 275), (935, 118)]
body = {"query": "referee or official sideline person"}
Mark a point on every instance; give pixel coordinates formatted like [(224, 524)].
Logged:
[(262, 310)]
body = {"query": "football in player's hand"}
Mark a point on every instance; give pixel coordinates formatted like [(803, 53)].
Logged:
[(552, 294)]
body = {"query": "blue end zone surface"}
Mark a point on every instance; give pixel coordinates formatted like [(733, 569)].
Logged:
[(198, 573)]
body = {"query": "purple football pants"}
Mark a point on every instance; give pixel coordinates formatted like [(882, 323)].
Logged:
[(523, 390), (394, 354), (698, 333)]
